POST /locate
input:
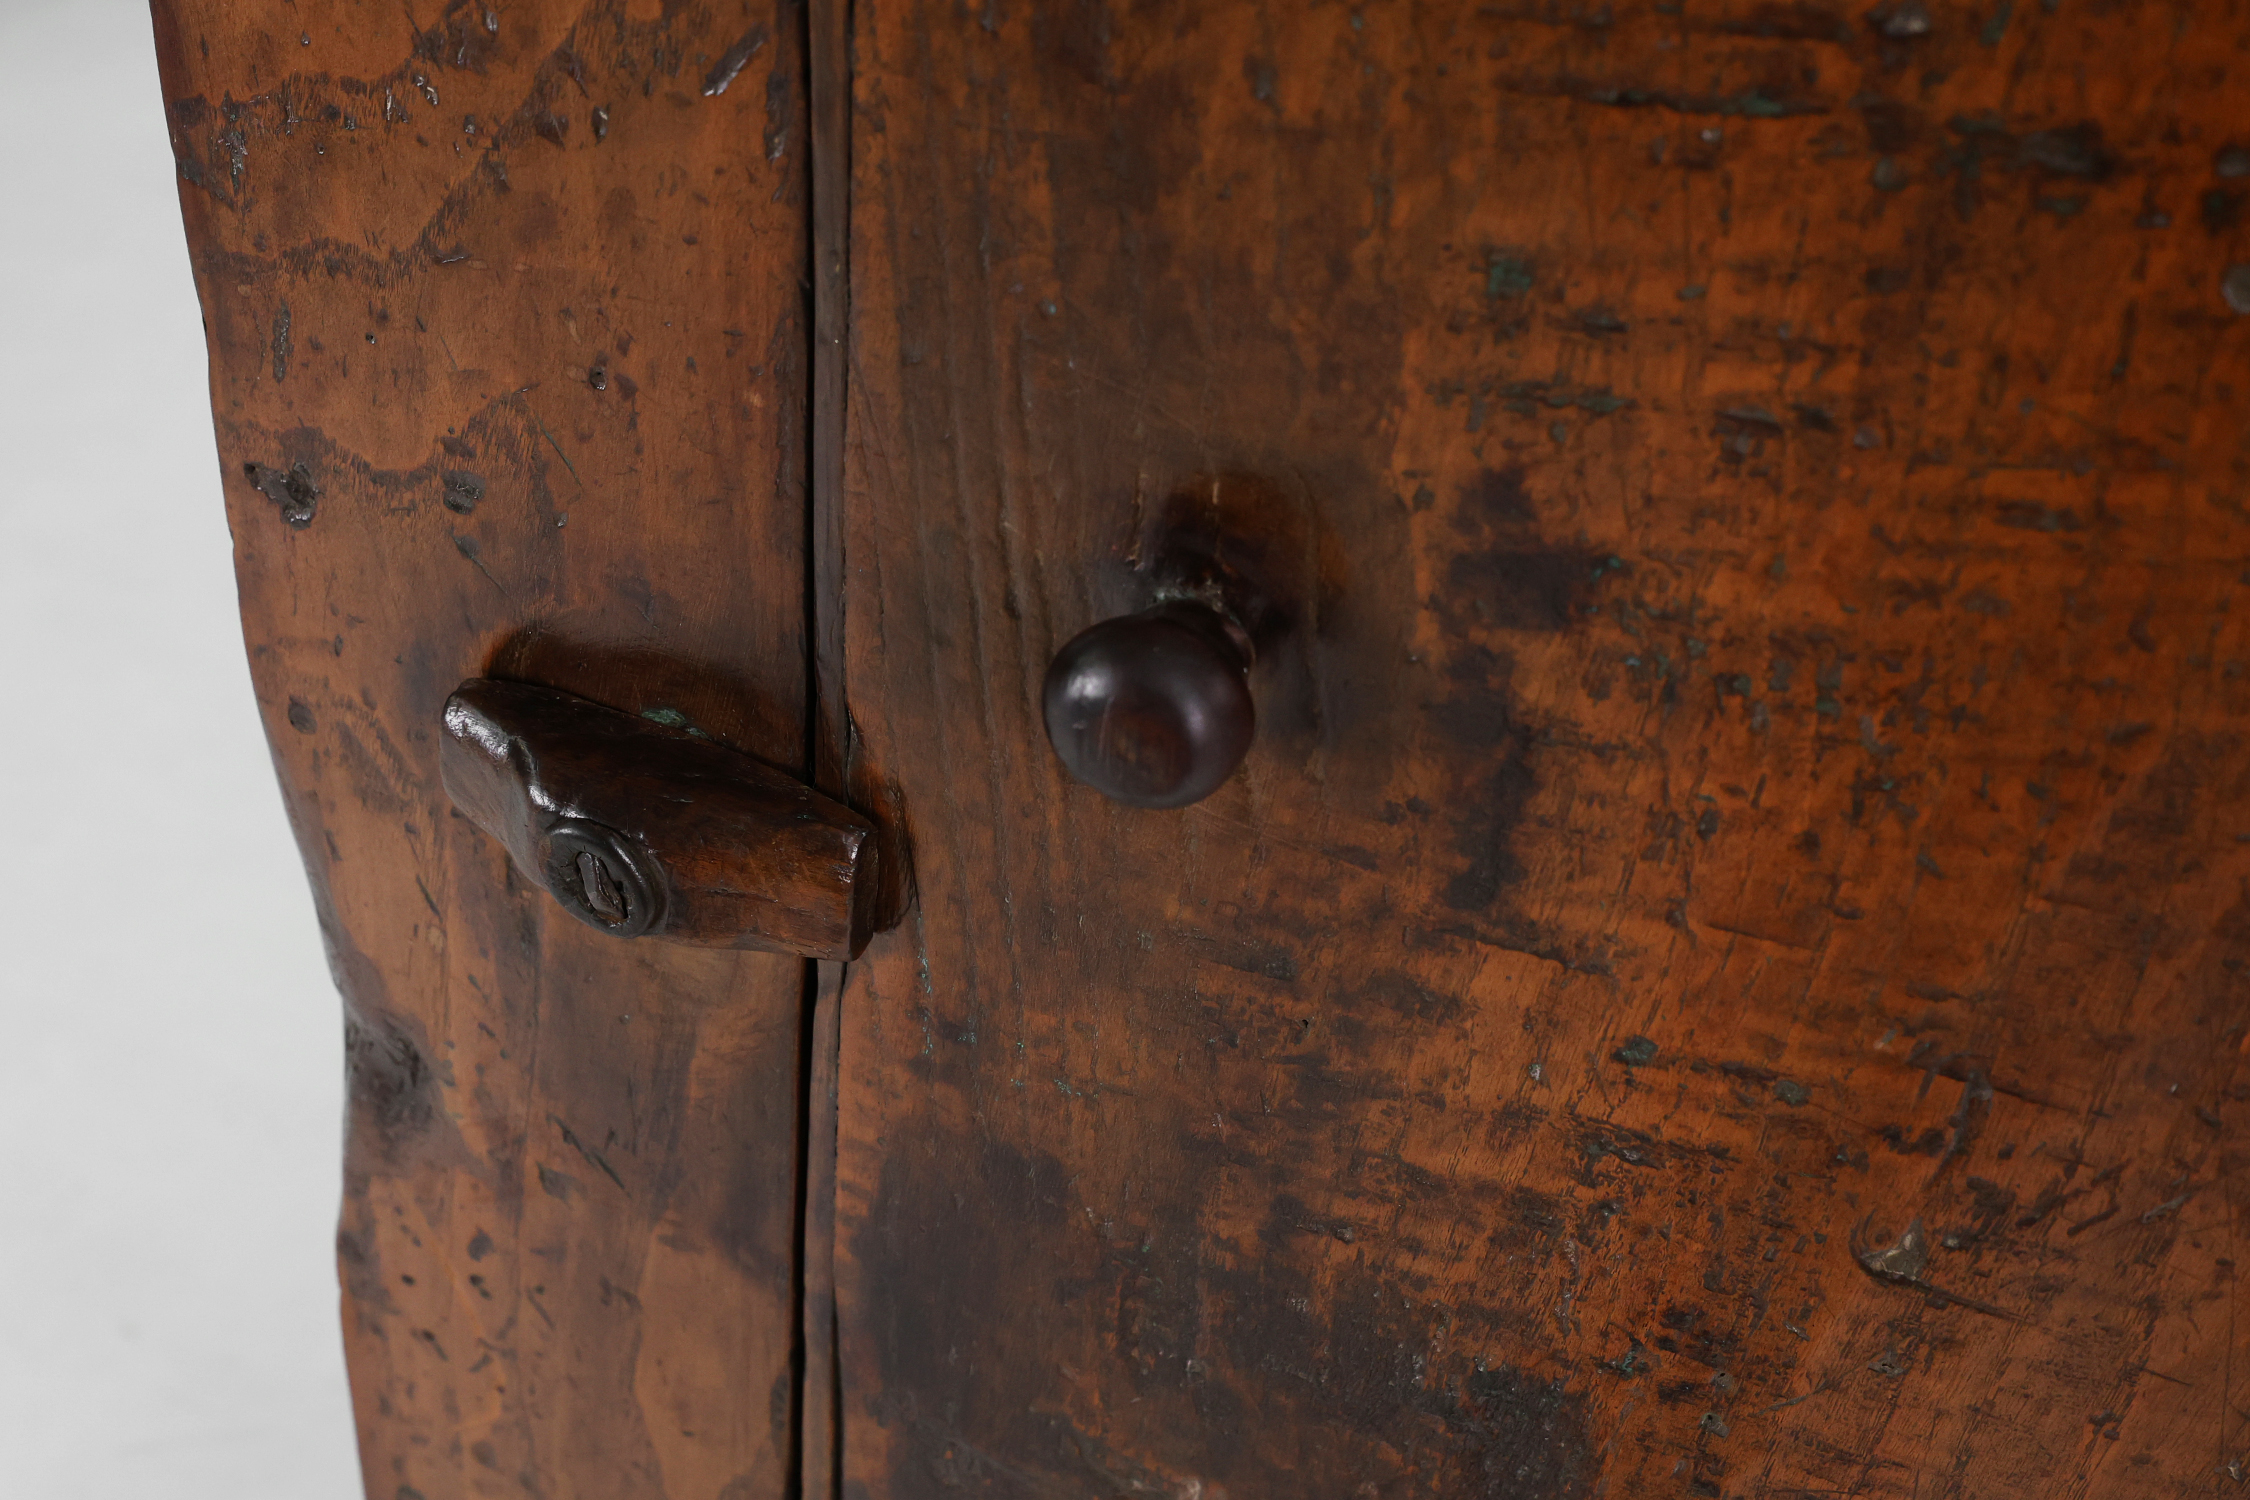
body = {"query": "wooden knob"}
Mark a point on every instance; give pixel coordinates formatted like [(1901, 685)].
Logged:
[(1153, 709)]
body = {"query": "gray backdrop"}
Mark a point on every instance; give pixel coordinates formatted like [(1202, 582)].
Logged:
[(170, 1073)]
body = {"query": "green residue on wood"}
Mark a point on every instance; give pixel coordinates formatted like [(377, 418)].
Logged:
[(1997, 26), (1524, 398), (1506, 275), (1757, 104), (1830, 681), (672, 718)]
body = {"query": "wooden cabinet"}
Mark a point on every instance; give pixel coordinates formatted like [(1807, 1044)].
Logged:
[(1722, 972)]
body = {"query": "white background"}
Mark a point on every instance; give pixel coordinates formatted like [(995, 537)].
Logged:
[(171, 1089)]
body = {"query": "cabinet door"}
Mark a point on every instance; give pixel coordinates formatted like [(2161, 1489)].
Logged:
[(1722, 973), (509, 354)]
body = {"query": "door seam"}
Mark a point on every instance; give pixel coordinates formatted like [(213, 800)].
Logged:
[(816, 1459)]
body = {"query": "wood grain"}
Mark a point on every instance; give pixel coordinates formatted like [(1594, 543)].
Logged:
[(507, 319), (1723, 972)]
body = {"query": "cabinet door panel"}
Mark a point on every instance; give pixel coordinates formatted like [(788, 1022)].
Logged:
[(1721, 972), (508, 356)]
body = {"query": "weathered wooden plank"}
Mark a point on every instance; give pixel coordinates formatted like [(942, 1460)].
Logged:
[(507, 321), (1760, 768)]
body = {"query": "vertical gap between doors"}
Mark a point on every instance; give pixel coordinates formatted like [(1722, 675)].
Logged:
[(816, 1458)]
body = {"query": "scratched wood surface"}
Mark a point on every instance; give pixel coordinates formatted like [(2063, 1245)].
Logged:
[(509, 361), (1724, 971)]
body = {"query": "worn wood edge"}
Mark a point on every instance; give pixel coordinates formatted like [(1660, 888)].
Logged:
[(819, 1458), (828, 94), (820, 1438)]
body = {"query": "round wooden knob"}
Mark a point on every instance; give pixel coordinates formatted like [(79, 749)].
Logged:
[(1153, 709)]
